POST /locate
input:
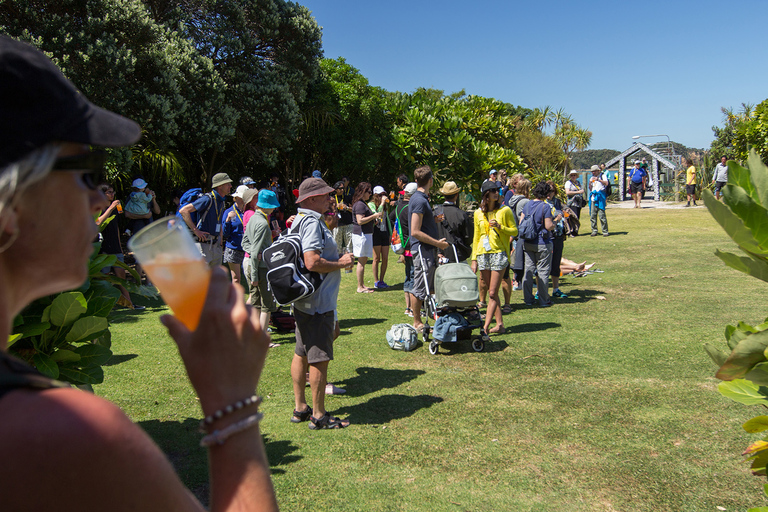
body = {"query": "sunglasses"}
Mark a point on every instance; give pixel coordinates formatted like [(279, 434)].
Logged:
[(90, 164)]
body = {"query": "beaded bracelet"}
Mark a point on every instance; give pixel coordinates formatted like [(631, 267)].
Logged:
[(208, 420), (219, 436)]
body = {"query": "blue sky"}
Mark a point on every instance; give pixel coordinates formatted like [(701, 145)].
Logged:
[(619, 68)]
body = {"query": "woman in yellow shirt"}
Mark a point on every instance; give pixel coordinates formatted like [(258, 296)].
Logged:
[(690, 182), (494, 225)]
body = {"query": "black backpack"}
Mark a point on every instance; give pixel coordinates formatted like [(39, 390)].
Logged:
[(287, 276), (608, 190)]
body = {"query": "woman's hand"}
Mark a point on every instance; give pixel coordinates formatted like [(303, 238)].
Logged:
[(473, 266), (225, 355), (493, 223)]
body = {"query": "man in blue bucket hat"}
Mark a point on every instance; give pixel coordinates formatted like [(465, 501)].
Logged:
[(257, 237)]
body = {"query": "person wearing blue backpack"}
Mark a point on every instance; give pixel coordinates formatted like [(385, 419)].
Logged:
[(538, 250), (203, 217)]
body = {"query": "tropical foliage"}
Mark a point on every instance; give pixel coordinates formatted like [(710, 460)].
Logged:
[(742, 215), (743, 130), (66, 336)]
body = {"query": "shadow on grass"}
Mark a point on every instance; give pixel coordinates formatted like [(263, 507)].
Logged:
[(531, 327), (354, 322), (369, 380), (580, 294), (496, 344), (119, 358), (181, 444), (383, 409), (394, 287)]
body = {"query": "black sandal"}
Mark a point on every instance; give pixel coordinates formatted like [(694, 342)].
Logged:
[(304, 415), (327, 421)]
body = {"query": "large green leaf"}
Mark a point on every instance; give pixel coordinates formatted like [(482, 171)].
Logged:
[(67, 308), (751, 213), (758, 374), (738, 177), (102, 297), (105, 340), (93, 355), (757, 424), (717, 355), (90, 375), (101, 261), (46, 365), (748, 353), (731, 223), (759, 176), (28, 330), (13, 338), (754, 267), (65, 356), (743, 391), (87, 328)]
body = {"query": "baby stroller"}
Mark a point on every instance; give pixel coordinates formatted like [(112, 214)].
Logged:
[(453, 307)]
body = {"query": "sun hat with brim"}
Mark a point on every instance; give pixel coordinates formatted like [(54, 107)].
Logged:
[(378, 189), (240, 191), (449, 188), (489, 185), (220, 179), (139, 183), (268, 199), (39, 105), (248, 195), (311, 187), (574, 171), (594, 168)]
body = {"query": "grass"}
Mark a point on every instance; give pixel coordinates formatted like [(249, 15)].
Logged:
[(591, 405)]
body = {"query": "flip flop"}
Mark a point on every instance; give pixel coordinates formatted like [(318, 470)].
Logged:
[(499, 329), (367, 290)]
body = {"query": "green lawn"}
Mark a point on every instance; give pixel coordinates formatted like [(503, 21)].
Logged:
[(589, 405)]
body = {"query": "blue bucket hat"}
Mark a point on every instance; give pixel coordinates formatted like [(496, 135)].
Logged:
[(267, 199)]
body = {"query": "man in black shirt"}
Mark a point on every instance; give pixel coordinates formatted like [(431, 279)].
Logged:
[(457, 227)]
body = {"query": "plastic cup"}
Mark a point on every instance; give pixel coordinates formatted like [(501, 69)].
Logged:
[(119, 208), (168, 254)]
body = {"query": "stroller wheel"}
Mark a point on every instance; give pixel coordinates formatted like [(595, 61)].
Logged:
[(433, 346), (478, 344)]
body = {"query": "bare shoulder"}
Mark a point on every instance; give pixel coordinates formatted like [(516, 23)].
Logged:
[(88, 453)]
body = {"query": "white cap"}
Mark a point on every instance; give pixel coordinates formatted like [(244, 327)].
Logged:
[(410, 188), (379, 190), (240, 191)]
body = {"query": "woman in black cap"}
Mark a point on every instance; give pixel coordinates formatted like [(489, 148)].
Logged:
[(81, 450)]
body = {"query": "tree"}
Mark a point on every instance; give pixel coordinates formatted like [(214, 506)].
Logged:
[(461, 138), (344, 129)]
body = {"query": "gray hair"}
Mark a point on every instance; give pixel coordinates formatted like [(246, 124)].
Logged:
[(15, 178)]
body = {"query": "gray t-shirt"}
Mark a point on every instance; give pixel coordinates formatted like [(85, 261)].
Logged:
[(315, 236), (419, 203)]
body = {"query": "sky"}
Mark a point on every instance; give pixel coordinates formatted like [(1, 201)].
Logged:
[(618, 68)]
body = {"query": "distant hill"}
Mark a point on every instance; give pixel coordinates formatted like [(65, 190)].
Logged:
[(589, 157)]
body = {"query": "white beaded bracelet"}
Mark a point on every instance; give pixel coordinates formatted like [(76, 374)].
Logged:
[(240, 404), (219, 436)]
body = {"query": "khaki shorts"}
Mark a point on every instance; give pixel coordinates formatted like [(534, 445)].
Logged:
[(314, 336), (261, 297)]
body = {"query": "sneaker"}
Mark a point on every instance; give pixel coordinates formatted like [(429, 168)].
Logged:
[(594, 234), (548, 304), (606, 234), (558, 293), (380, 285), (136, 307)]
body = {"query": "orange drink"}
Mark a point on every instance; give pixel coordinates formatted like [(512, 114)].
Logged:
[(183, 285), (167, 252)]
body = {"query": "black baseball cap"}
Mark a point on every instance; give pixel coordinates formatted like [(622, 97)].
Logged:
[(39, 105)]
